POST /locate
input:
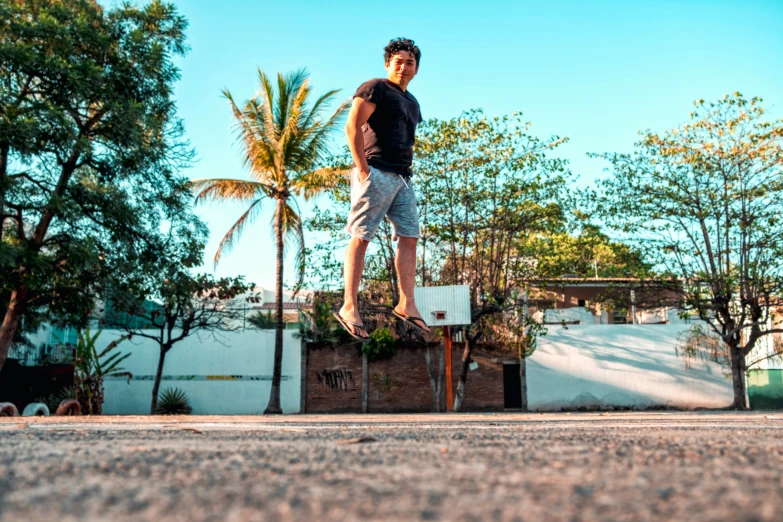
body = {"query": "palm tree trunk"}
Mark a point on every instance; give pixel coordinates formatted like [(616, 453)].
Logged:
[(274, 395)]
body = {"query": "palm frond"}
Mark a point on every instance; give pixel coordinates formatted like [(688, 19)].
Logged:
[(264, 155), (267, 108), (258, 138), (227, 189), (315, 110), (316, 141), (285, 141), (319, 181), (288, 87), (293, 129), (232, 236)]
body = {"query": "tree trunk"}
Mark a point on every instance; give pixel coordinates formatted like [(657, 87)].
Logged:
[(738, 376), (436, 377), (459, 397), (156, 385), (11, 322), (523, 378), (3, 173), (274, 395)]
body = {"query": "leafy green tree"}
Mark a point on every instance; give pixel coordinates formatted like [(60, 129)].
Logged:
[(181, 305), (285, 140), (586, 253), (706, 200), (90, 148), (487, 187)]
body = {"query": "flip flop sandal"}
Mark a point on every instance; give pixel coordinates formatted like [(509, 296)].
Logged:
[(344, 323), (409, 320)]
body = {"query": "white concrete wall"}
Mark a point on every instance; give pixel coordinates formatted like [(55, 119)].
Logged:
[(234, 377), (620, 365)]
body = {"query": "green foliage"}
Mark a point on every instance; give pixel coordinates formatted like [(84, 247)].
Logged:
[(177, 299), (589, 253), (380, 346), (262, 321), (318, 324), (89, 363), (92, 366), (705, 200), (484, 186), (174, 401), (90, 153)]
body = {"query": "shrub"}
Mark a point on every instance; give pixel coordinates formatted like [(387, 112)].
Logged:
[(381, 345), (173, 401)]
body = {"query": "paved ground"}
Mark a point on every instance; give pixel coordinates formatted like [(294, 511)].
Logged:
[(637, 466)]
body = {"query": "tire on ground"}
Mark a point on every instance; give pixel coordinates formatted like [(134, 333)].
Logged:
[(69, 407), (7, 409), (37, 409)]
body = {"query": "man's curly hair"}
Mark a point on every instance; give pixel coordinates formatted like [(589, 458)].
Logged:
[(401, 44)]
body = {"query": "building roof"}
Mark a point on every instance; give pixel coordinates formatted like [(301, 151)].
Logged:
[(286, 306), (591, 281)]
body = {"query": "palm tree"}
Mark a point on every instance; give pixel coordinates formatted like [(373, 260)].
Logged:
[(284, 140)]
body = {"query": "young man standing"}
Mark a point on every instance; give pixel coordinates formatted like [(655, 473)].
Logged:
[(381, 128)]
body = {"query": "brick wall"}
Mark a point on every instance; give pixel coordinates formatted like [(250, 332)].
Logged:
[(398, 384), (484, 386), (401, 384), (333, 380)]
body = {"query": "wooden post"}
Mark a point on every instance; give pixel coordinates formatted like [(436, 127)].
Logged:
[(303, 378), (449, 382), (365, 384)]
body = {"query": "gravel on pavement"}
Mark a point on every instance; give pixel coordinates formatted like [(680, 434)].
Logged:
[(507, 467)]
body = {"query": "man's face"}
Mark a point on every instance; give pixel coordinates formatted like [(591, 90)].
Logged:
[(402, 67)]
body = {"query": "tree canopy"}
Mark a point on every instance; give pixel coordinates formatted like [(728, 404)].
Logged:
[(90, 151), (705, 201)]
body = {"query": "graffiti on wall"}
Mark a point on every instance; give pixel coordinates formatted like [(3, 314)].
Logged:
[(382, 382), (337, 379)]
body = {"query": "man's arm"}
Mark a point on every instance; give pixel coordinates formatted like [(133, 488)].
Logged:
[(360, 112)]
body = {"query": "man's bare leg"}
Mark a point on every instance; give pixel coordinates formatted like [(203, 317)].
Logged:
[(352, 273), (405, 261)]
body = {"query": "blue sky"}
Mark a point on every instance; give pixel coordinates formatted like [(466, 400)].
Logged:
[(595, 71)]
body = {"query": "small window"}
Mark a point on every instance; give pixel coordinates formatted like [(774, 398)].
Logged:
[(581, 302)]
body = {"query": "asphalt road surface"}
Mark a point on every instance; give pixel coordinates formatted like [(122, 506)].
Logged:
[(506, 467)]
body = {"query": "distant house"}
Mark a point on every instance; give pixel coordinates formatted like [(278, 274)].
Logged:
[(263, 301), (589, 301)]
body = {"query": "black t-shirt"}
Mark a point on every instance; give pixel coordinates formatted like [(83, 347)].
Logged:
[(390, 132)]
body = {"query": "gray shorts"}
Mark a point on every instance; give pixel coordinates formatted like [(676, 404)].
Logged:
[(383, 194)]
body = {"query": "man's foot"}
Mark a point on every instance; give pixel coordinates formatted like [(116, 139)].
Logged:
[(412, 318), (352, 324)]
